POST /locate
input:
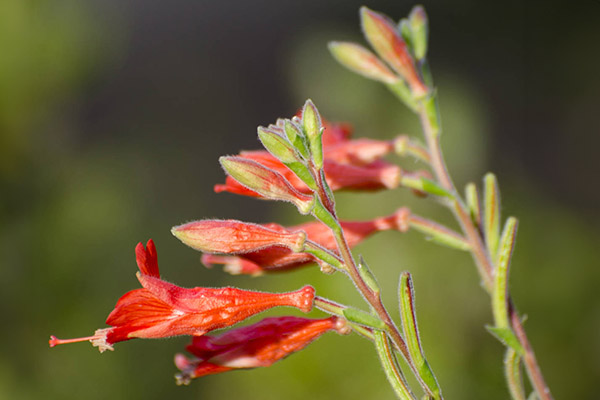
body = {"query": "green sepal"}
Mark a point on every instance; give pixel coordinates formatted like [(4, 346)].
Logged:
[(311, 124), (296, 138), (507, 337), (401, 90), (405, 30), (278, 145), (363, 318), (419, 31), (410, 329), (491, 210)]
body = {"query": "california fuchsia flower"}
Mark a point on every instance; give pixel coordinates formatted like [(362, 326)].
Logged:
[(235, 237), (278, 258), (162, 309), (257, 345), (388, 43)]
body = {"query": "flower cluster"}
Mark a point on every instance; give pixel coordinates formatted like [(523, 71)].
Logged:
[(304, 175)]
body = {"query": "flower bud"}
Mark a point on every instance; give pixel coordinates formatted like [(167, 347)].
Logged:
[(360, 60), (387, 42), (235, 237), (266, 182), (253, 346)]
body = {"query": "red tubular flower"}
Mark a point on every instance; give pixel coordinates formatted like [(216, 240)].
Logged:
[(162, 309), (278, 258), (257, 345), (235, 237)]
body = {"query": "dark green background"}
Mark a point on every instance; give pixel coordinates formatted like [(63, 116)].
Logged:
[(113, 115)]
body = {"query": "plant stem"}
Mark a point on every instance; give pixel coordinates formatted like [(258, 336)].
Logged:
[(374, 301), (479, 252)]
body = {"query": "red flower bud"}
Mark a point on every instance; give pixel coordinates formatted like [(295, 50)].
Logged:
[(277, 258), (235, 237), (267, 182), (162, 309), (257, 345), (388, 43)]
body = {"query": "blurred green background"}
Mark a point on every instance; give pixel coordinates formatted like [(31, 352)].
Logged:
[(113, 114)]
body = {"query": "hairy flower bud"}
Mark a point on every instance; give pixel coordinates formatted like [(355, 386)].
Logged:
[(234, 237), (388, 43), (266, 182), (360, 60), (257, 345)]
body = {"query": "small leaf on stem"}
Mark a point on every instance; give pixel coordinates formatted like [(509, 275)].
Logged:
[(491, 205), (391, 367), (367, 276), (472, 198), (411, 334), (501, 273), (363, 318)]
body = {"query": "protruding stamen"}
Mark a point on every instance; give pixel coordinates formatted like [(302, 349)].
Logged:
[(54, 341)]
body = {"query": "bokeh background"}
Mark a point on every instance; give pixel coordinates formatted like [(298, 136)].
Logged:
[(113, 114)]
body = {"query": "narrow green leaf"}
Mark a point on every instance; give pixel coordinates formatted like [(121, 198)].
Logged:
[(391, 367), (363, 318), (514, 378), (501, 273), (425, 185), (367, 275), (439, 233), (411, 334), (491, 222), (472, 198), (431, 110), (323, 254), (323, 215), (506, 337), (401, 90)]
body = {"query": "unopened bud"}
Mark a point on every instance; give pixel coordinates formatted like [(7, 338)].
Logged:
[(360, 60), (387, 42)]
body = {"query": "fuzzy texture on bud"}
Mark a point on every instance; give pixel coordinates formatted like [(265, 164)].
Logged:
[(389, 44), (257, 345), (235, 237), (278, 258)]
